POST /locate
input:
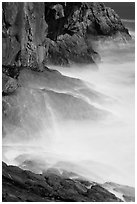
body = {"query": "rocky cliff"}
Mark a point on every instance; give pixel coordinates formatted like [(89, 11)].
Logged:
[(35, 34)]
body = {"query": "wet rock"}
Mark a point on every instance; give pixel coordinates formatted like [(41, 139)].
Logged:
[(24, 186), (104, 20), (70, 49), (97, 193), (9, 85)]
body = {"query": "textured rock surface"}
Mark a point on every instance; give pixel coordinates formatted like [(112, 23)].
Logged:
[(9, 84), (59, 33), (25, 186), (24, 30)]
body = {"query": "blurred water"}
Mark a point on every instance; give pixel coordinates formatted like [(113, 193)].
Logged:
[(82, 121)]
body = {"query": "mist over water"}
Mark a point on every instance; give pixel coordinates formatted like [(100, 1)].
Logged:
[(81, 120)]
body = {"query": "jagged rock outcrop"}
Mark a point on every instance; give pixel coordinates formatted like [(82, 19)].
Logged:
[(35, 34), (24, 186)]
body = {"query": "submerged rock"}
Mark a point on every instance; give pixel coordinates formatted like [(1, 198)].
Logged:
[(24, 186)]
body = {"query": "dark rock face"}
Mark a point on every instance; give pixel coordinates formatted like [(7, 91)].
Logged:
[(84, 18), (104, 20), (35, 34), (25, 186), (68, 49), (24, 30)]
